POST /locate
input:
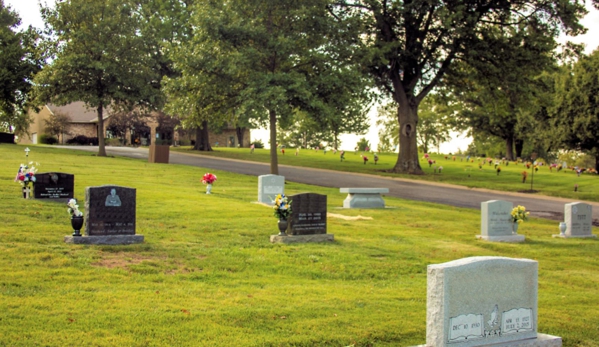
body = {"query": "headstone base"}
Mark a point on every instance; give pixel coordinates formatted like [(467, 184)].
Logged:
[(542, 340), (104, 240), (502, 238), (592, 236), (301, 238)]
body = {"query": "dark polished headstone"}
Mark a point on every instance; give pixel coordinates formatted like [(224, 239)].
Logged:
[(109, 210), (54, 185), (309, 214)]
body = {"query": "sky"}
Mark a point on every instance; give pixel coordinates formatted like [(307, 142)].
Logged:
[(29, 12)]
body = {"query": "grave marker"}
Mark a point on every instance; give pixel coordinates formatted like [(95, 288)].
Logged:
[(579, 220), (483, 301), (308, 221), (496, 222), (269, 186), (109, 216), (54, 185)]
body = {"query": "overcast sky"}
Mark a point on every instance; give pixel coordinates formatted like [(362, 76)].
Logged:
[(30, 15)]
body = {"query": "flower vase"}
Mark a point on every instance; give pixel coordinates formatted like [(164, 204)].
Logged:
[(562, 228), (77, 223), (209, 188), (515, 228), (283, 226)]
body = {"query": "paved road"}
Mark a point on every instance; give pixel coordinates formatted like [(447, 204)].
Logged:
[(539, 206)]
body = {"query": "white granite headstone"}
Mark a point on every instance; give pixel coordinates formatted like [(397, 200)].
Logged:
[(579, 220), (483, 301), (496, 222), (269, 186)]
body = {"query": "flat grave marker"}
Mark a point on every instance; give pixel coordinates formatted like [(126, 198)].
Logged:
[(54, 185)]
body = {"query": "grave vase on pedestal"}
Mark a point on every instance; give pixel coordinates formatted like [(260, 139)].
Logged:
[(562, 228), (282, 226), (77, 224), (209, 188), (26, 192)]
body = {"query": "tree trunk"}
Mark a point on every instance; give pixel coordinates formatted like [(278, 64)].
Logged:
[(274, 163), (597, 163), (101, 145), (240, 132), (519, 147), (407, 159), (202, 139), (335, 141), (509, 148)]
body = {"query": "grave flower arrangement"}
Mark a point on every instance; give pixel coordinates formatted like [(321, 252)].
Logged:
[(208, 178), (519, 214), (282, 207), (26, 174), (74, 208)]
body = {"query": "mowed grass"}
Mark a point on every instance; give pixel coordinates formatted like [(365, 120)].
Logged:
[(207, 274), (458, 171)]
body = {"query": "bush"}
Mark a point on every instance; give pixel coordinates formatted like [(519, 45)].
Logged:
[(83, 140), (48, 139), (258, 144)]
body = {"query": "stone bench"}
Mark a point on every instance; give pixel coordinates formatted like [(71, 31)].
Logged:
[(364, 197)]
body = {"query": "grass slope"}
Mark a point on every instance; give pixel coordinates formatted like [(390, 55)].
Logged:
[(458, 171), (207, 275)]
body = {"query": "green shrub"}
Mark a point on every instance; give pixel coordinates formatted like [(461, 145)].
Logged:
[(48, 139), (258, 144)]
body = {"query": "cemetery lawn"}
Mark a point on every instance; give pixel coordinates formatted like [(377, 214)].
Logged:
[(207, 274), (458, 172)]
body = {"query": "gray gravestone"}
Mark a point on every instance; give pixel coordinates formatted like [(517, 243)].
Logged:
[(483, 301), (308, 221), (579, 220), (54, 185), (109, 216), (364, 197), (269, 186), (496, 222)]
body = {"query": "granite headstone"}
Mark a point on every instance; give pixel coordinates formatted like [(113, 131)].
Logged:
[(497, 223), (110, 210), (269, 186), (579, 220), (309, 214), (54, 185), (483, 301)]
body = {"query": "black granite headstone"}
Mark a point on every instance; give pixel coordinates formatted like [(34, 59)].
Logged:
[(309, 214), (109, 210), (54, 185)]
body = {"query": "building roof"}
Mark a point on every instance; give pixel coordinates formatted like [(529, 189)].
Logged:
[(78, 112)]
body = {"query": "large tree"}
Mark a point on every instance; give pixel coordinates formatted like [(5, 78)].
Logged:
[(410, 45), (99, 57), (20, 60), (576, 113)]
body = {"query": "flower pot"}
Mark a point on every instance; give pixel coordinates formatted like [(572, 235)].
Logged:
[(77, 224), (283, 226), (209, 188)]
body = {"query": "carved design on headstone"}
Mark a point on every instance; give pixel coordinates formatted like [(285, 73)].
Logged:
[(110, 210)]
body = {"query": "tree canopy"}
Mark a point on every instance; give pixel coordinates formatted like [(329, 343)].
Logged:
[(20, 60)]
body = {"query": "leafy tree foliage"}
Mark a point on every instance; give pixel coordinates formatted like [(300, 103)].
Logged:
[(20, 60), (99, 57), (576, 113), (123, 122), (411, 45), (58, 124)]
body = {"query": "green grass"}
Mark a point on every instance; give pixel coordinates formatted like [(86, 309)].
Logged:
[(459, 172), (208, 276)]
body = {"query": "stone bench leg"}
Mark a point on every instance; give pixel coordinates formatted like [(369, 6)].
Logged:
[(363, 200)]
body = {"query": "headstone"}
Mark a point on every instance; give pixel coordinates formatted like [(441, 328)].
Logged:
[(54, 185), (496, 222), (308, 222), (109, 216), (579, 220), (484, 301), (269, 186)]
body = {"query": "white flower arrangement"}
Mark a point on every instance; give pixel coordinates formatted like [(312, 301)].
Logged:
[(74, 208)]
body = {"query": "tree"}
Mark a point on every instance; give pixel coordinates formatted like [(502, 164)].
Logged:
[(576, 113), (20, 60), (100, 58), (58, 124), (303, 131), (409, 46), (123, 122)]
